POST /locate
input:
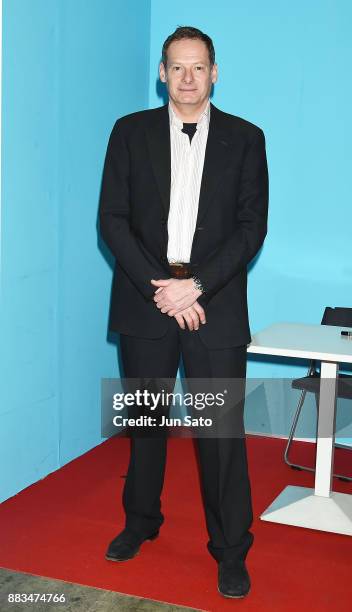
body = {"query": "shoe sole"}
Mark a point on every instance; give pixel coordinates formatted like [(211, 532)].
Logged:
[(234, 596), (150, 539)]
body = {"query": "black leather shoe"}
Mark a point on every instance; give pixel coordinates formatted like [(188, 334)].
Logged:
[(233, 579), (126, 545)]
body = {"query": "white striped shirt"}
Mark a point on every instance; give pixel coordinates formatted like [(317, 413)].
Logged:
[(187, 161)]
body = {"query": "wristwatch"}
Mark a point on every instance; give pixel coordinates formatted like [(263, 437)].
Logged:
[(198, 284)]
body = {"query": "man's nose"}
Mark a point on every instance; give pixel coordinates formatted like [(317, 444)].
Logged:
[(188, 76)]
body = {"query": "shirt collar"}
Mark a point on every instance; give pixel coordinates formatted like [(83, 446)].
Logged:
[(203, 120)]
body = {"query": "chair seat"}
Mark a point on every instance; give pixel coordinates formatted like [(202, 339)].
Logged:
[(312, 384)]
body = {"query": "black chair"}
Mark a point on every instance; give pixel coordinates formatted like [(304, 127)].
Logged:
[(341, 317)]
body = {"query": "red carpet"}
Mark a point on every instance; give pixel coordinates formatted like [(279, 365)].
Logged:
[(60, 527)]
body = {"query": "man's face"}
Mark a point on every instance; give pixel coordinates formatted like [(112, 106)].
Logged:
[(188, 75)]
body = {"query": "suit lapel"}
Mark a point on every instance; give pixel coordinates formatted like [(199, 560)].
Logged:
[(158, 136), (217, 155)]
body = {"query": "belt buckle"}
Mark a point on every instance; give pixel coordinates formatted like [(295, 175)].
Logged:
[(180, 269)]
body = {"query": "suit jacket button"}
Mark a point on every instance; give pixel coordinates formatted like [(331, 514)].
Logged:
[(199, 228)]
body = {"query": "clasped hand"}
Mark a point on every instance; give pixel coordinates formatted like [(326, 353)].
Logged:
[(178, 298)]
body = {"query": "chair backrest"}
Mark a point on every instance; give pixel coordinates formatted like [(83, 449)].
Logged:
[(337, 316)]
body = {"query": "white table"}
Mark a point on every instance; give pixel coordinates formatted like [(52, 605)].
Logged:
[(318, 508)]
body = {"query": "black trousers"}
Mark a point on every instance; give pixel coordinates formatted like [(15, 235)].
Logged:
[(223, 461)]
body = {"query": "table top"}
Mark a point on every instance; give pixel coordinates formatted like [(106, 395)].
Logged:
[(322, 342)]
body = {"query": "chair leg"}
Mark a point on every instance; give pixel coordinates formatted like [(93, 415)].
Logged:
[(291, 435), (293, 429)]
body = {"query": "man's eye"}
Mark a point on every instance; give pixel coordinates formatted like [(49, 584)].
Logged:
[(176, 67), (199, 67)]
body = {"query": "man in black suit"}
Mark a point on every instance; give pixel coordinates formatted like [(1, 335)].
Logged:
[(183, 209)]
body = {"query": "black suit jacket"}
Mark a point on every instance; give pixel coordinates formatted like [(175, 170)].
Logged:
[(230, 229)]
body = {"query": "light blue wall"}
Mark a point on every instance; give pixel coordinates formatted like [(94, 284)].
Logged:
[(69, 70), (286, 66), (29, 244)]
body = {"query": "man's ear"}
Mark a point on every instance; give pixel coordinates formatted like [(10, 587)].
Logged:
[(162, 72), (214, 73)]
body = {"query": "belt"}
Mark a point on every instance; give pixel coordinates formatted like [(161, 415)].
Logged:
[(181, 270)]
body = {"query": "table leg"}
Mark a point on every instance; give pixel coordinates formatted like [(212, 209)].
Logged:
[(326, 429)]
